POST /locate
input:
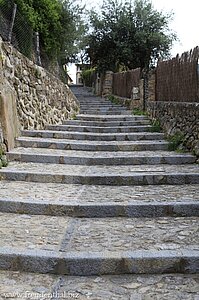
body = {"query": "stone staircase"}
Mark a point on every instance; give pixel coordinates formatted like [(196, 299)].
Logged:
[(99, 195)]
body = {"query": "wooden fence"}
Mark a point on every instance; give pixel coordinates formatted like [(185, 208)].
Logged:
[(178, 79), (125, 81)]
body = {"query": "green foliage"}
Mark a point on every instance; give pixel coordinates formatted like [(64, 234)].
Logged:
[(138, 112), (88, 76), (59, 25), (113, 99), (74, 117), (175, 141), (128, 35), (156, 127)]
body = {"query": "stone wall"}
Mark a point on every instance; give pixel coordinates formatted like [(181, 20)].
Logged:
[(178, 117), (41, 98)]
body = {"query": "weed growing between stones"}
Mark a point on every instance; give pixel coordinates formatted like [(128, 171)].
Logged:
[(155, 126), (113, 99), (176, 142), (74, 117), (139, 112), (3, 159)]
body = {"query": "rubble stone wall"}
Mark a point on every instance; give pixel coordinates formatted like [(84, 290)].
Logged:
[(41, 98), (30, 96), (178, 117)]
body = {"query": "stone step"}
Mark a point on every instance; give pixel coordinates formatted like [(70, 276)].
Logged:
[(105, 118), (120, 287), (92, 145), (101, 105), (91, 201), (41, 155), (106, 123), (98, 103), (93, 100), (89, 136), (76, 246), (102, 113), (122, 129), (102, 175)]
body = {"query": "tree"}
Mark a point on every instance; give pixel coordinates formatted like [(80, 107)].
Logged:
[(126, 36), (59, 25)]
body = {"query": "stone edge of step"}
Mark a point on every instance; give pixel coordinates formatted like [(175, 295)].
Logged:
[(99, 210), (170, 178), (81, 160), (100, 263)]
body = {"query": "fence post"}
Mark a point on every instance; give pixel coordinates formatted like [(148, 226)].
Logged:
[(38, 57), (12, 23), (108, 84)]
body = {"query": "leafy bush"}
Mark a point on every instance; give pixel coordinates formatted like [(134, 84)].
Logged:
[(88, 76)]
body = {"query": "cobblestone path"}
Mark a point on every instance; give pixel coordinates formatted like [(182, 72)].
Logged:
[(98, 208)]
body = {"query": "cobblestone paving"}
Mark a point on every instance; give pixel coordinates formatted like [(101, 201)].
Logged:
[(120, 234), (95, 235), (74, 193), (32, 232), (142, 193), (15, 285), (130, 287)]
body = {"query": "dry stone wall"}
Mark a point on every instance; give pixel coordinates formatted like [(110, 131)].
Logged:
[(178, 117), (41, 98)]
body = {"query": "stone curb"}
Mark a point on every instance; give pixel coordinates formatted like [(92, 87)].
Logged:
[(85, 263), (106, 123), (136, 136), (108, 113), (123, 129), (110, 118), (109, 161), (74, 145), (101, 105), (104, 179), (103, 108), (98, 210)]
